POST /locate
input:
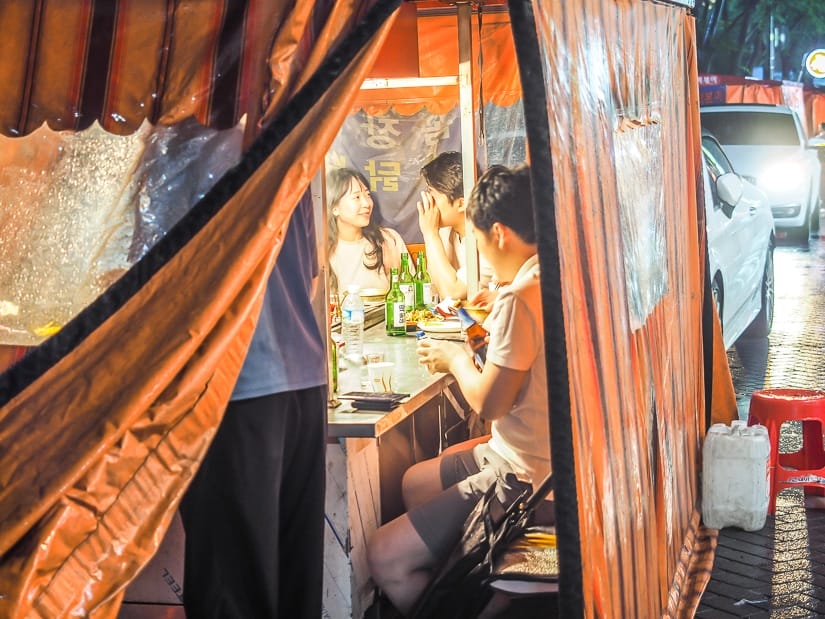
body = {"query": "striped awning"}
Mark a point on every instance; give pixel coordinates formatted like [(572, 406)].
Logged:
[(70, 62)]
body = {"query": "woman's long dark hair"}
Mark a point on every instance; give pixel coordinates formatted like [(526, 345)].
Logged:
[(338, 184)]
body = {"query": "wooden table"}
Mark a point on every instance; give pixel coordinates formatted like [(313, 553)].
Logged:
[(368, 453)]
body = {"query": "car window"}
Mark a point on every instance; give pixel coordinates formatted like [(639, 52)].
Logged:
[(718, 163), (744, 128)]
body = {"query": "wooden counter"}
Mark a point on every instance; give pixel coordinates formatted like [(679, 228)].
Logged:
[(368, 453), (408, 377)]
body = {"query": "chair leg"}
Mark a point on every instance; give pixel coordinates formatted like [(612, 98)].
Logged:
[(811, 454)]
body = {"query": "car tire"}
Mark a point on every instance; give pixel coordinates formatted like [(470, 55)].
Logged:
[(761, 325), (803, 234)]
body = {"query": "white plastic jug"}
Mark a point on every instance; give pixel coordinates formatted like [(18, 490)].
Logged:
[(735, 476)]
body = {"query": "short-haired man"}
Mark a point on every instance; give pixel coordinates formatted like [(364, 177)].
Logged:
[(442, 222), (510, 390)]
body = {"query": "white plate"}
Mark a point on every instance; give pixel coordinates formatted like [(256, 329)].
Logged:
[(373, 294), (444, 326)]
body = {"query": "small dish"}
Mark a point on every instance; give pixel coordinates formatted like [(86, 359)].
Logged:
[(440, 326), (373, 294)]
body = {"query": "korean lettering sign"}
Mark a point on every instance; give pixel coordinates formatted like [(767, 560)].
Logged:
[(389, 150)]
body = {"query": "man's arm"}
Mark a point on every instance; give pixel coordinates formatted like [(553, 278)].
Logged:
[(491, 392), (442, 273)]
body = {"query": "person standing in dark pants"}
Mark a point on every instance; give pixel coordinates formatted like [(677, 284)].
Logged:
[(253, 515)]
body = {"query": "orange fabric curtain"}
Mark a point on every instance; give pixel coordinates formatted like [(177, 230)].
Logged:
[(815, 106), (753, 93), (97, 448), (622, 95)]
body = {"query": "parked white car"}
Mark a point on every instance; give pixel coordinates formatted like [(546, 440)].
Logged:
[(740, 231), (768, 144)]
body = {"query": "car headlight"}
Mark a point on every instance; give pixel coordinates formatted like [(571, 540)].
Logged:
[(787, 174)]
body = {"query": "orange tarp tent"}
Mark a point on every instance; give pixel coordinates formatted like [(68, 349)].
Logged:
[(815, 106), (808, 103), (103, 424)]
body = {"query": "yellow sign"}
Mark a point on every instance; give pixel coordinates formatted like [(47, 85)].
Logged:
[(815, 63)]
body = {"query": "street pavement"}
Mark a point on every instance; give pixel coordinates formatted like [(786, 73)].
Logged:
[(780, 570), (792, 355)]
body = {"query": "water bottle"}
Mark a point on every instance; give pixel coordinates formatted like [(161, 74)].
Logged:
[(352, 324)]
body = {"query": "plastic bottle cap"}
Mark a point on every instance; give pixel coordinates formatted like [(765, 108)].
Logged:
[(353, 288)]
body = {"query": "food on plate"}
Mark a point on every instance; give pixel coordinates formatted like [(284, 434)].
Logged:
[(421, 315)]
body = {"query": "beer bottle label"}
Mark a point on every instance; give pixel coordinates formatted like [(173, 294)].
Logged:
[(399, 316)]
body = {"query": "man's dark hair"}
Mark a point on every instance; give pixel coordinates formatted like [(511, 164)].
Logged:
[(503, 195), (445, 174)]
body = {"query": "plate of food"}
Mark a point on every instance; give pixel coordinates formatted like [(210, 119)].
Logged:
[(420, 315), (448, 325)]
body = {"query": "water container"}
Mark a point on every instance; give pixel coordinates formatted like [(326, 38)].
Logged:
[(735, 475), (352, 324)]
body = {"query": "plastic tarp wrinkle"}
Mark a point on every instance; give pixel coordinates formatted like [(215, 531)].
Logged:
[(624, 136)]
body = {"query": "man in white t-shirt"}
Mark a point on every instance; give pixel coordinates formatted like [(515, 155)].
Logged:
[(442, 222), (510, 391)]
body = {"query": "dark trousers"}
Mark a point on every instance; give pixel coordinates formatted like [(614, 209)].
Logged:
[(254, 513)]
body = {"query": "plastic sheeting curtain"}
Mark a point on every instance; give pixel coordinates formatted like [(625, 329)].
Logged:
[(619, 80), (102, 425)]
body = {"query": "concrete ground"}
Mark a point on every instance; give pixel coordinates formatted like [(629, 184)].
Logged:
[(779, 571)]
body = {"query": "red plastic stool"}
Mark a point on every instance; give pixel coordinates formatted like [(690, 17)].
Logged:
[(804, 468)]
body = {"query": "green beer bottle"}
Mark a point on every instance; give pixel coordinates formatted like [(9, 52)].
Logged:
[(405, 283), (395, 311), (423, 285)]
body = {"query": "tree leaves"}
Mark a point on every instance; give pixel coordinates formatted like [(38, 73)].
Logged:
[(733, 36)]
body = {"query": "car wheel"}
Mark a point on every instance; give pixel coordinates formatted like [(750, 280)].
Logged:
[(718, 300), (761, 325), (801, 236)]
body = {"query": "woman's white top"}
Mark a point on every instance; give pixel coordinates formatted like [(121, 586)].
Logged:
[(348, 261)]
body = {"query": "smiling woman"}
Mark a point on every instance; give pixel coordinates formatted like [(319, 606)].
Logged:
[(360, 250)]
